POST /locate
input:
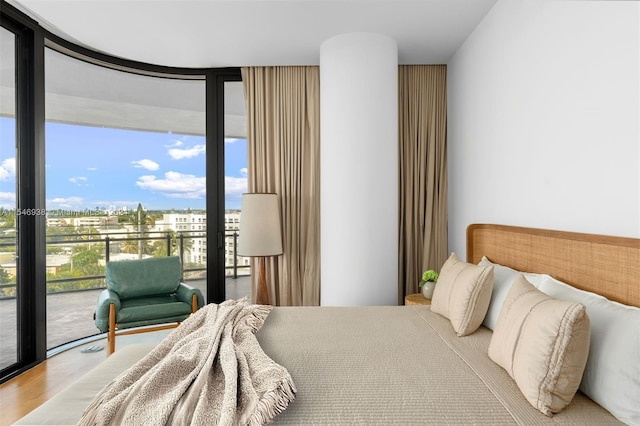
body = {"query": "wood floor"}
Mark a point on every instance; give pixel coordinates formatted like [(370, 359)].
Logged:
[(29, 390), (22, 394)]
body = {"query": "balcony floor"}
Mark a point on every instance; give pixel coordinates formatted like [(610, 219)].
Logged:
[(70, 316)]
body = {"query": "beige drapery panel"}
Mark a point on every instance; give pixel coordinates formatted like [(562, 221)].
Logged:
[(423, 173), (283, 148)]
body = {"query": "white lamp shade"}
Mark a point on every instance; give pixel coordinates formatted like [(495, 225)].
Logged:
[(260, 233)]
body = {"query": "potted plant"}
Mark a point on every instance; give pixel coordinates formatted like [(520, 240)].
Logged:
[(428, 283)]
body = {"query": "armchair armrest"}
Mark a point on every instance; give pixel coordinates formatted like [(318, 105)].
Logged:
[(106, 298), (185, 292)]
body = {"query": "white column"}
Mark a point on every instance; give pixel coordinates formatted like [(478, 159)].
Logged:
[(359, 170)]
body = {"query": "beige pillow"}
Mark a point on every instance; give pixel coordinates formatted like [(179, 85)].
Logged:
[(462, 294), (543, 344)]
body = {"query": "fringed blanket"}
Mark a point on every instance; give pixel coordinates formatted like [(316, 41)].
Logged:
[(210, 370)]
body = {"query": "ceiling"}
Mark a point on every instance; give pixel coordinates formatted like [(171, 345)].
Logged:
[(210, 34), (221, 33)]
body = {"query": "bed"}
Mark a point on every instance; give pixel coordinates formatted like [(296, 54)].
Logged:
[(407, 364)]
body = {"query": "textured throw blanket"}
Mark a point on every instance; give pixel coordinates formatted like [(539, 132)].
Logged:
[(210, 370)]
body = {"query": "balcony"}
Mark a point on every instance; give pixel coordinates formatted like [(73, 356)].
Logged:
[(71, 301)]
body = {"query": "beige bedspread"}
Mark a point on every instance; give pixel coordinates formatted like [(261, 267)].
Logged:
[(398, 365), (369, 365)]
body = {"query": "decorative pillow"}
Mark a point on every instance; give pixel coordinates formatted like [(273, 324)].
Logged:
[(462, 294), (543, 344), (612, 374), (503, 278)]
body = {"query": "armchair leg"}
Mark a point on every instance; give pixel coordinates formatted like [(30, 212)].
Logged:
[(194, 303), (112, 328)]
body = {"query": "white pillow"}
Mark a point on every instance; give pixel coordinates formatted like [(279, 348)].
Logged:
[(535, 279), (503, 278), (612, 374)]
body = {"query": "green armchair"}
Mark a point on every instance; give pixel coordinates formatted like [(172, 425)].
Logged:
[(145, 292)]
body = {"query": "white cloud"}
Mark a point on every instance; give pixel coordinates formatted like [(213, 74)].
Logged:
[(146, 164), (65, 203), (8, 200), (231, 140), (174, 185), (243, 171), (92, 169), (179, 154), (8, 169), (79, 180), (234, 186), (175, 143)]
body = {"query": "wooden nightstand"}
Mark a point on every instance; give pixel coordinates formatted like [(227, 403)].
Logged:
[(416, 299)]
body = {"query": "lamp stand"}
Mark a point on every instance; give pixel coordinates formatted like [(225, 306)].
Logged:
[(263, 295)]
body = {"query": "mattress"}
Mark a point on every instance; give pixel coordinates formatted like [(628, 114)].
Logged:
[(366, 365)]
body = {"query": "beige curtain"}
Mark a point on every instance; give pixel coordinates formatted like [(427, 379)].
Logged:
[(423, 173), (283, 138)]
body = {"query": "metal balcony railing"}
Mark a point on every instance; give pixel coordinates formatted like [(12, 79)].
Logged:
[(113, 242)]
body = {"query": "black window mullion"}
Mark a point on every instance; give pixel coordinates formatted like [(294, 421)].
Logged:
[(31, 262), (216, 274)]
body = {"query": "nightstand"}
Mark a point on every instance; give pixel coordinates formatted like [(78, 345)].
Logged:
[(416, 299)]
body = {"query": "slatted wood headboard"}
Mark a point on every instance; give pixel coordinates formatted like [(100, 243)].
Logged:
[(606, 265)]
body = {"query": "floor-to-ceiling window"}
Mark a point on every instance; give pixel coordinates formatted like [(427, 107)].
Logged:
[(125, 179), (114, 159)]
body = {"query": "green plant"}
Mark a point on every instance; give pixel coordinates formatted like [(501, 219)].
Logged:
[(429, 275)]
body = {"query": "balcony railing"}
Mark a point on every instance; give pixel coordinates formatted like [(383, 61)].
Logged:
[(71, 299), (112, 244)]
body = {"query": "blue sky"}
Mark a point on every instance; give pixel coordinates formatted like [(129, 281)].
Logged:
[(93, 167)]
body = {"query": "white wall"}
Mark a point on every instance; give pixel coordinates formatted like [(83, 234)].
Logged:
[(543, 119)]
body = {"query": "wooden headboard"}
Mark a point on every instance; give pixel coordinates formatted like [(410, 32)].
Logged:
[(606, 265)]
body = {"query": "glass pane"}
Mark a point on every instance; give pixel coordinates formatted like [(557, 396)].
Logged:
[(125, 179), (235, 147), (8, 293)]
